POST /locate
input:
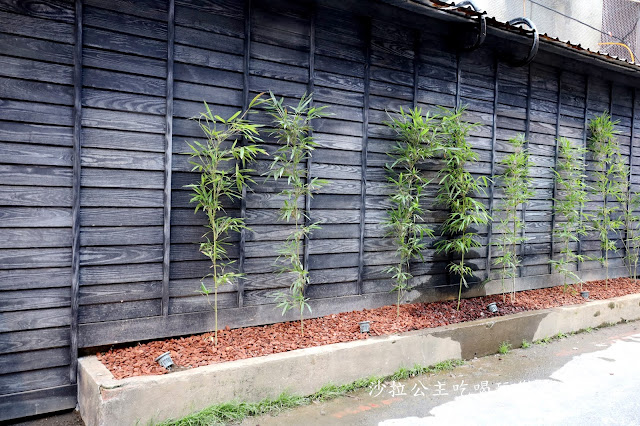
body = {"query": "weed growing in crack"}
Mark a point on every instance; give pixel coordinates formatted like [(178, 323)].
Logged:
[(504, 348), (543, 341), (417, 141), (222, 163), (292, 128), (562, 335), (516, 183), (525, 344), (235, 412)]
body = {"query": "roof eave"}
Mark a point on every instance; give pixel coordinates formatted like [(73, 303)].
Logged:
[(448, 12)]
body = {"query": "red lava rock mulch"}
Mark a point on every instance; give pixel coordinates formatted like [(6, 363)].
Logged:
[(199, 350)]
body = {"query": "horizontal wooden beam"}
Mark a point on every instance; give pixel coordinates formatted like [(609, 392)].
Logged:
[(106, 333), (25, 404), (140, 329)]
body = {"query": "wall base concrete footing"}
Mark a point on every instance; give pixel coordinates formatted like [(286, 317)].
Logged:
[(103, 400)]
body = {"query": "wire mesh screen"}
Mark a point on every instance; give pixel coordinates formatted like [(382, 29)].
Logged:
[(608, 26), (619, 25)]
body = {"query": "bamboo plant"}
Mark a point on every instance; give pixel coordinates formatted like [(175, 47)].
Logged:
[(569, 175), (608, 187), (417, 141), (292, 127), (457, 189), (222, 163), (516, 183)]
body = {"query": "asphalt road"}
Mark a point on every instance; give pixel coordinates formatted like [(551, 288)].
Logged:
[(586, 379)]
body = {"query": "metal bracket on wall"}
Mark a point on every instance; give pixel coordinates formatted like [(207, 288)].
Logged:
[(482, 24), (534, 47)]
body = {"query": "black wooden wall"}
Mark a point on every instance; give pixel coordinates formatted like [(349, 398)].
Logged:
[(97, 236), (36, 198)]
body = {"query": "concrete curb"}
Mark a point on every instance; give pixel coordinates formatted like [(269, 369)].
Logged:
[(104, 400)]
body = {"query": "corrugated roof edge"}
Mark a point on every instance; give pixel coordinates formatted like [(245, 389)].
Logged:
[(449, 11)]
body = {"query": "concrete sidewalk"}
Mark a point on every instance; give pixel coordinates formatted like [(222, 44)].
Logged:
[(586, 379)]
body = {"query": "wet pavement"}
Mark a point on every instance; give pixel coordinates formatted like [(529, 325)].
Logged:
[(585, 379)]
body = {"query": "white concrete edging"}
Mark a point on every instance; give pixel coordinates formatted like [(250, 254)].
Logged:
[(103, 400)]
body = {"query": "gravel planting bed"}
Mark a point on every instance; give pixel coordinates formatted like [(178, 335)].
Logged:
[(241, 343)]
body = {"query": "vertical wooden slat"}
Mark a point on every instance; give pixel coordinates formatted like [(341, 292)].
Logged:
[(312, 50), (310, 89), (246, 60), (168, 160), (633, 116), (584, 145), (245, 104), (365, 144), (75, 210), (457, 105), (611, 99), (416, 65), (633, 120), (555, 166), (416, 57), (458, 78), (606, 199), (494, 125), (527, 131)]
